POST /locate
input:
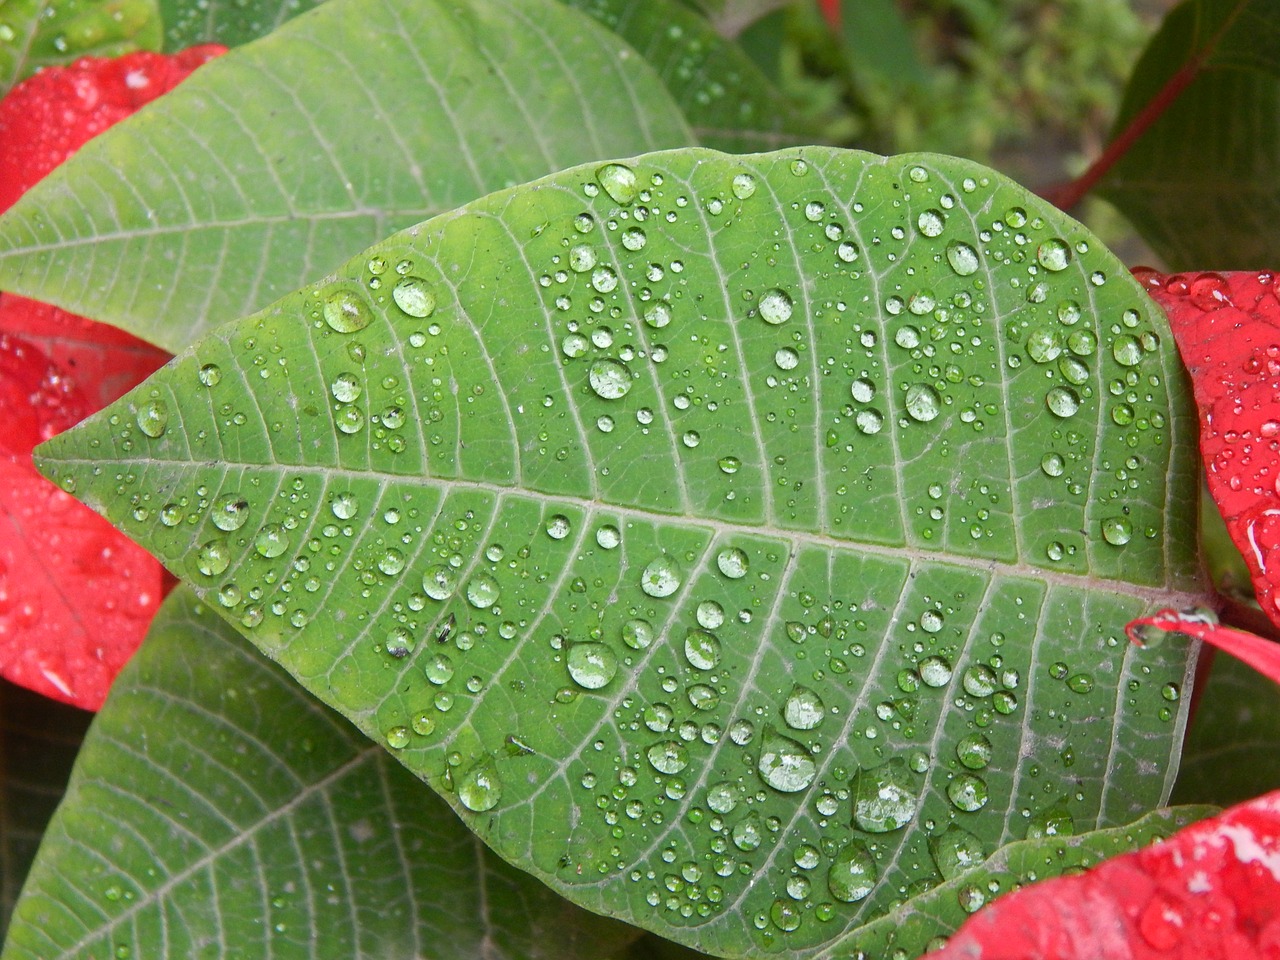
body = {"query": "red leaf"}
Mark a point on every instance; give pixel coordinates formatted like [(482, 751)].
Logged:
[(1261, 654), (1227, 327), (1210, 892), (51, 115), (76, 597), (831, 10)]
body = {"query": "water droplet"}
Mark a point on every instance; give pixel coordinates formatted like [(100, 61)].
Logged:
[(637, 634), (1080, 683), (803, 709), (482, 591), (1062, 402), (608, 537), (922, 402), (1055, 822), (884, 797), (634, 239), (748, 832), (863, 390), (974, 751), (775, 307), (271, 541), (668, 756), (346, 388), (733, 563), (956, 850), (722, 797), (619, 182), (869, 422), (1117, 531), (609, 379), (702, 649), (1052, 464), (658, 315), (414, 297), (730, 465), (349, 420), (1044, 345), (661, 578), (153, 418), (967, 792), (1127, 350), (592, 665), (1054, 254), (558, 527), (786, 359), (439, 669), (785, 764), (979, 680), (931, 222), (744, 185), (391, 562), (479, 788), (210, 375), (397, 737), (230, 513), (439, 582), (346, 312), (962, 258), (213, 558), (935, 671), (852, 874), (847, 251)]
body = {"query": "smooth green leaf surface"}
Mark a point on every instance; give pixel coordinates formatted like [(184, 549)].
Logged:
[(229, 22), (217, 810), (41, 33), (365, 116), (39, 738), (719, 531), (1230, 754), (1202, 184), (726, 99), (731, 17)]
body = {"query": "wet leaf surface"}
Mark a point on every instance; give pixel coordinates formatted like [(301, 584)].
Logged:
[(772, 522), (262, 825)]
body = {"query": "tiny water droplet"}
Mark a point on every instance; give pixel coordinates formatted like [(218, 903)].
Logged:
[(955, 850), (619, 182), (213, 558), (210, 375), (730, 465), (230, 512), (702, 649), (931, 222), (558, 527), (153, 418), (668, 756), (785, 764), (439, 582), (1062, 402), (397, 737), (775, 307), (1117, 531), (935, 671), (974, 751), (744, 185), (803, 709), (482, 591), (637, 634), (884, 797), (922, 402), (271, 541), (852, 874), (608, 537), (967, 792), (1054, 254), (610, 379), (733, 563), (480, 788), (661, 578), (962, 258), (346, 312)]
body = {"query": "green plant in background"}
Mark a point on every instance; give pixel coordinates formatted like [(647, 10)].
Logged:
[(740, 545)]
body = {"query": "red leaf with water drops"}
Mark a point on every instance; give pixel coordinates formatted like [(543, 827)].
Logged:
[(1227, 326), (1261, 654), (1209, 892)]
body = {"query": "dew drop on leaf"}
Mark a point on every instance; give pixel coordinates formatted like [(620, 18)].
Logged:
[(803, 709), (852, 874), (884, 797), (637, 634), (733, 563), (213, 558), (1053, 254), (610, 379), (785, 764), (230, 512), (414, 297), (955, 850), (271, 541), (480, 788), (702, 649), (153, 418), (967, 792), (669, 756), (346, 312), (661, 577), (482, 591), (775, 307), (592, 665), (619, 182), (962, 258)]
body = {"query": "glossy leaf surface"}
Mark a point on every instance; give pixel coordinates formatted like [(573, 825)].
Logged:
[(759, 518), (1210, 891), (228, 22), (261, 824), (1200, 184), (38, 743), (210, 204), (1227, 328), (42, 33)]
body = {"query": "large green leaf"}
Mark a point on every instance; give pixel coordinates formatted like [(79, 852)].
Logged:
[(731, 528), (365, 116), (41, 33), (38, 742), (217, 810), (1202, 184), (727, 100)]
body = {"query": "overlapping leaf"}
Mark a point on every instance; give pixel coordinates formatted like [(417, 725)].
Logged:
[(1212, 890), (38, 743), (745, 542), (228, 22), (210, 204), (41, 33), (1200, 183), (260, 825)]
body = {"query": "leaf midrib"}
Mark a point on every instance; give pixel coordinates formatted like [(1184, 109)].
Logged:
[(1164, 594)]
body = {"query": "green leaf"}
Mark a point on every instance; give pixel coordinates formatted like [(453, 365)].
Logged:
[(366, 116), (727, 517), (228, 22), (1200, 185), (731, 17), (39, 738), (728, 101), (1230, 755), (217, 810), (42, 33)]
